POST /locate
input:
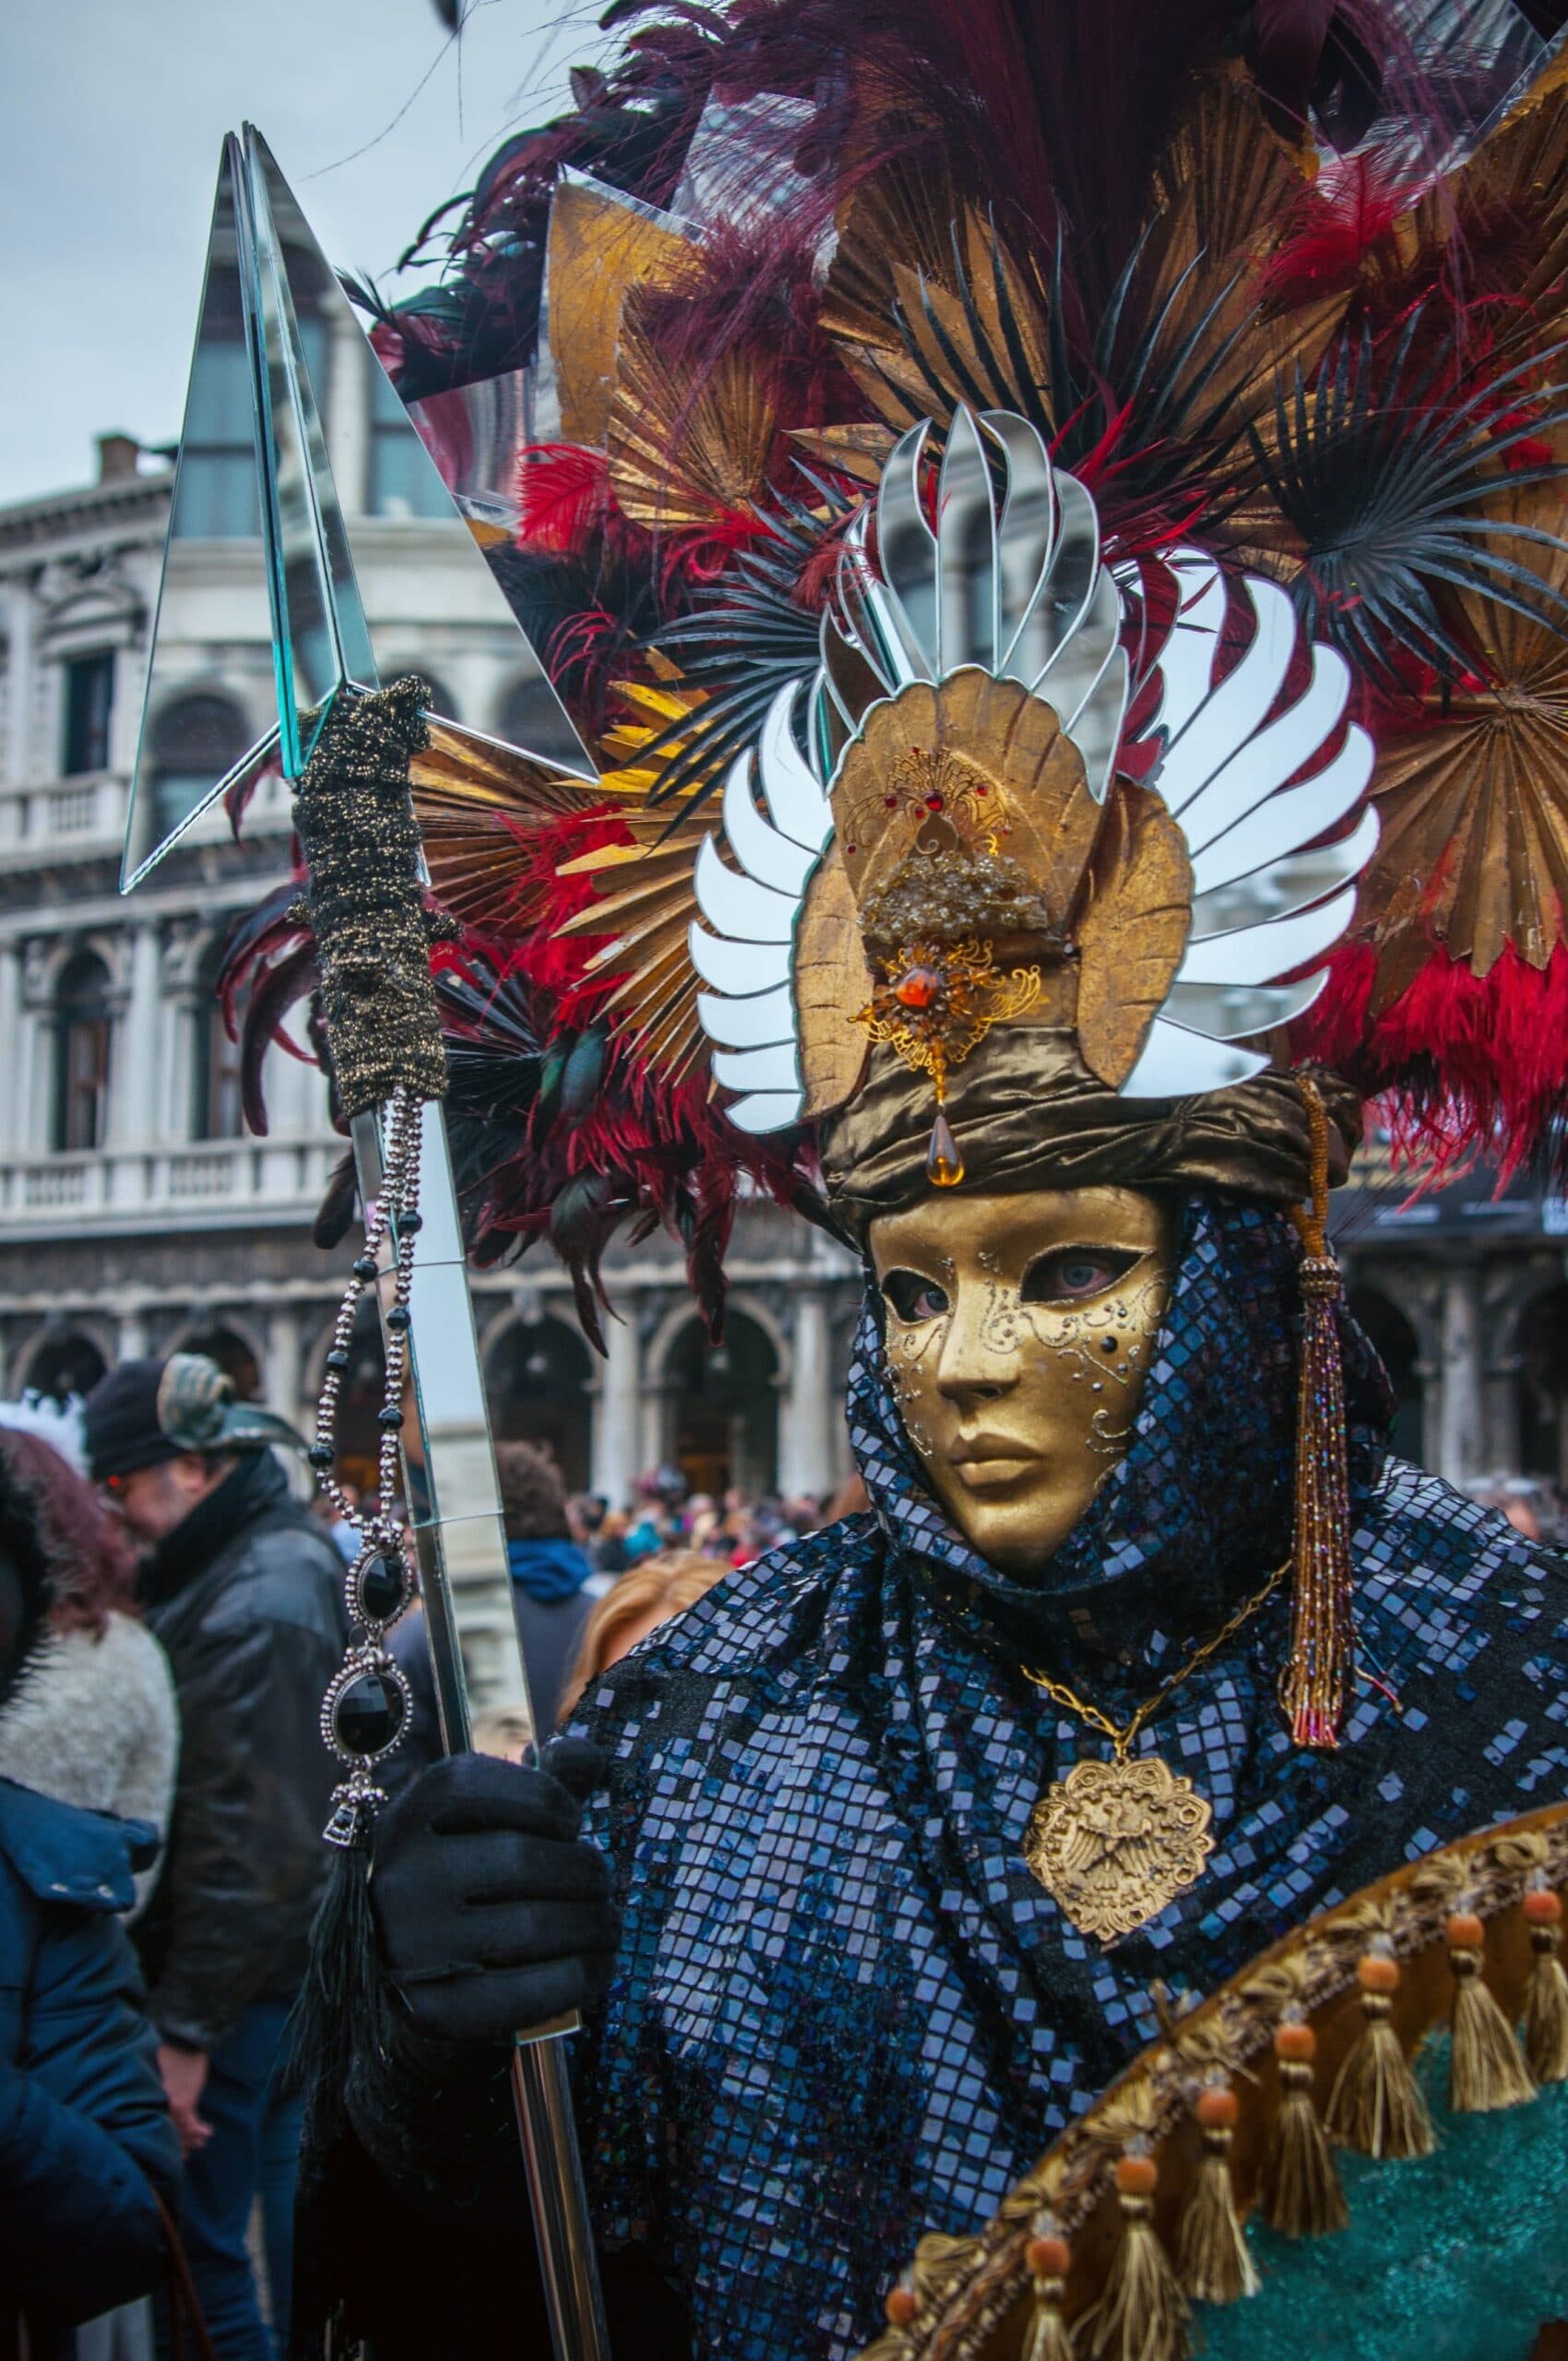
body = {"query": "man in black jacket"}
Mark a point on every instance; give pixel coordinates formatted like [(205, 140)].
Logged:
[(246, 1591)]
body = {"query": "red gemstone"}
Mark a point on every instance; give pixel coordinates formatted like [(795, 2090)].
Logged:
[(934, 803), (890, 804), (917, 987)]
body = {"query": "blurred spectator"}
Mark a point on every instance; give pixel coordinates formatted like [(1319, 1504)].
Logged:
[(504, 1731), (246, 1591), (345, 1536), (552, 1584), (1527, 1502), (86, 2145), (609, 1553), (95, 1722), (639, 1603)]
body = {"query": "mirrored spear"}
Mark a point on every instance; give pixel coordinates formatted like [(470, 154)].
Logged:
[(347, 743)]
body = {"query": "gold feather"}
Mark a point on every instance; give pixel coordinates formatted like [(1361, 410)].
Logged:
[(686, 449), (1474, 850)]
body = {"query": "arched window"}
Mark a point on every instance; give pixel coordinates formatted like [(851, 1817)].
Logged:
[(216, 1111), (195, 740), (232, 1353), (1543, 1385), (537, 1374), (62, 1365), (724, 1408), (81, 1054), (1398, 1347), (529, 713)]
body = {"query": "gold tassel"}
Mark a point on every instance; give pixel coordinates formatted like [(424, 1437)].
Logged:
[(1486, 2067), (1303, 2197), (1048, 2257), (1142, 2313), (1315, 1687), (1213, 2259), (1546, 1995), (1376, 2104)]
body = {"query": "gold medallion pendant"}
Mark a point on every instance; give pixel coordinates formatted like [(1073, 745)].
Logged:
[(1114, 1842)]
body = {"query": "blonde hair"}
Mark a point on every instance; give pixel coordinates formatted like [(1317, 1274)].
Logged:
[(671, 1580)]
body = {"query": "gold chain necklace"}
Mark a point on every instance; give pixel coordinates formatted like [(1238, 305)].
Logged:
[(1115, 1842)]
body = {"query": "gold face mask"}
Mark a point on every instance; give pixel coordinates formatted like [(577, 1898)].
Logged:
[(1019, 1333)]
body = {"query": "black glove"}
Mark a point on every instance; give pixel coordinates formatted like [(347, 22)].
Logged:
[(493, 1913)]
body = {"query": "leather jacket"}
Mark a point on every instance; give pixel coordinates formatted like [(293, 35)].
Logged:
[(247, 1595)]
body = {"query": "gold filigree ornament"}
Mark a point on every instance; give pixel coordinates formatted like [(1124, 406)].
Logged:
[(1114, 1842), (933, 1004)]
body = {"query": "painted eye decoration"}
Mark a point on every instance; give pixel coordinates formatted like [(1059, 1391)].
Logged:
[(913, 1296), (1074, 1274)]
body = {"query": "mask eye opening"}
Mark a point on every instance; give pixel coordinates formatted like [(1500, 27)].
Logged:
[(1049, 1279), (912, 1297)]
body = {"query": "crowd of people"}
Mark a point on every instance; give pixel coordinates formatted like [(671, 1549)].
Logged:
[(171, 1613)]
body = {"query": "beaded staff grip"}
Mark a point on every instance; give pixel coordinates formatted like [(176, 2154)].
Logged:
[(365, 898)]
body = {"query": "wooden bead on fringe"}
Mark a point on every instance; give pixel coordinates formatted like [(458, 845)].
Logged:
[(1048, 2258), (1546, 1994), (1141, 2313), (1303, 2197), (1486, 2067), (1212, 2258), (1376, 2104), (902, 2305)]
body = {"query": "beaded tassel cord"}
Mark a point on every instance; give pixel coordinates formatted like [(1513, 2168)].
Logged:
[(1315, 1686), (366, 1710)]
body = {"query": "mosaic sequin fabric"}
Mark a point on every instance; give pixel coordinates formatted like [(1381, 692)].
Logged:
[(844, 2012)]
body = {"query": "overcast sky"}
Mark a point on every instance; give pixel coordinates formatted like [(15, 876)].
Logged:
[(111, 117)]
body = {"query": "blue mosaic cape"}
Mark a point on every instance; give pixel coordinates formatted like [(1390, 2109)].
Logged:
[(844, 2012)]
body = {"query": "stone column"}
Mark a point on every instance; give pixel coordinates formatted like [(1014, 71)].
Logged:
[(346, 400), (13, 1066), (613, 1463), (19, 682), (132, 1344), (134, 1075), (1461, 1429), (810, 1406), (281, 1379)]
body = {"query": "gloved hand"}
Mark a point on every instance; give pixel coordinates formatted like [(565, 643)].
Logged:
[(493, 1912)]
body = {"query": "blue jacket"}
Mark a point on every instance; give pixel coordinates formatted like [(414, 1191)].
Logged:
[(85, 2134)]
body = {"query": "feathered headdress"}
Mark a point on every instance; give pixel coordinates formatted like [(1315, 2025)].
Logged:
[(1049, 517)]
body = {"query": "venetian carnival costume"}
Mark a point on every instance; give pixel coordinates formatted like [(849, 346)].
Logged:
[(1051, 520)]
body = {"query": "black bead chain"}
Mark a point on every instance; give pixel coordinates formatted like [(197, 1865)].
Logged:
[(366, 1707)]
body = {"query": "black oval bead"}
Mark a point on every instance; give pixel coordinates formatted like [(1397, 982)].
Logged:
[(367, 1714), (389, 1418), (410, 1223), (399, 1317), (365, 1267), (321, 1454), (380, 1583), (337, 1358)]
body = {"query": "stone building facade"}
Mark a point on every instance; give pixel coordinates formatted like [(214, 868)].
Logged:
[(136, 1214)]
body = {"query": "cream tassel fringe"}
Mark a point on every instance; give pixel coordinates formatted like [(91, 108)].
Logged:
[(1303, 2197), (1142, 2315), (1376, 2104), (1213, 2261), (1486, 2067), (1546, 1995), (1048, 2257)]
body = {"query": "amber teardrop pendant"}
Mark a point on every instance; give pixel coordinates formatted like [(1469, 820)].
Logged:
[(945, 1166)]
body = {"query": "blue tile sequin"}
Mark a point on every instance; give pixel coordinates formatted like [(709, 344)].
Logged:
[(844, 2012)]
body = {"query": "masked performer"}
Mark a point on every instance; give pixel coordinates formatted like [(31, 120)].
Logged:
[(1021, 511)]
